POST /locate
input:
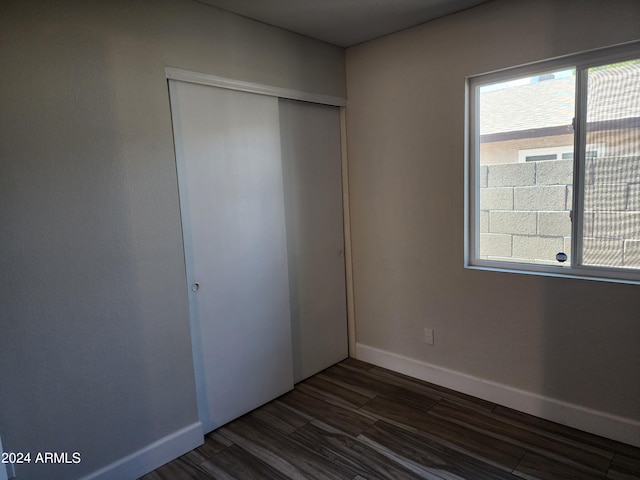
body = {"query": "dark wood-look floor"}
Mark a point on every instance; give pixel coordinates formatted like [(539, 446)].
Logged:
[(355, 421)]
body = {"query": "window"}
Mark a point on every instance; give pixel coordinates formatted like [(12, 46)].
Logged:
[(556, 153), (554, 174)]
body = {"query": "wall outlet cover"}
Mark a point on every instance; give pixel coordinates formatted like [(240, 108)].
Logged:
[(428, 336)]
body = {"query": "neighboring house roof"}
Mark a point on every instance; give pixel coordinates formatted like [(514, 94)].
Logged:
[(613, 94)]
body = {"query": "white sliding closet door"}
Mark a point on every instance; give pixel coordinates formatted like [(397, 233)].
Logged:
[(311, 156), (231, 194)]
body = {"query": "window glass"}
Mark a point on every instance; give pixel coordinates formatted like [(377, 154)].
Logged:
[(525, 180), (611, 218)]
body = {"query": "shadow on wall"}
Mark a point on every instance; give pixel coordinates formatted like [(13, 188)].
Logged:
[(591, 328), (590, 346), (71, 326)]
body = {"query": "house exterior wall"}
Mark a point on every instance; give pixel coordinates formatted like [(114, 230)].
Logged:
[(624, 141), (507, 151)]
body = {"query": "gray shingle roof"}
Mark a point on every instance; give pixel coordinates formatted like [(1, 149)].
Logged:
[(613, 94)]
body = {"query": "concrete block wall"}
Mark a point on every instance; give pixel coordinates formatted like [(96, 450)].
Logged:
[(525, 211)]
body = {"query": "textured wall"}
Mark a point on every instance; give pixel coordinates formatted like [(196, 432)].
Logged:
[(571, 340), (95, 352)]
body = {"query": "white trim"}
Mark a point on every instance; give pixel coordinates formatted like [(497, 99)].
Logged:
[(346, 213), (622, 429), (152, 456), (223, 82), (600, 274)]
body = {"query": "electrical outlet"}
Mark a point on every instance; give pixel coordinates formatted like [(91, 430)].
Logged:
[(428, 336)]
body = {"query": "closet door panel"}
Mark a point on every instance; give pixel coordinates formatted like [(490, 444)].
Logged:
[(231, 194), (311, 156)]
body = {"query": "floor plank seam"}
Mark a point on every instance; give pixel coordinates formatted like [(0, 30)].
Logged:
[(606, 475), (515, 469), (524, 454)]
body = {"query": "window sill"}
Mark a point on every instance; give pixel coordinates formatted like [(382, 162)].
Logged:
[(625, 277)]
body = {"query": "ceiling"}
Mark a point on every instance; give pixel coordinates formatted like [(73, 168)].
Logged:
[(343, 22)]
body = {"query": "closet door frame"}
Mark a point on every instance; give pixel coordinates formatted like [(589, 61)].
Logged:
[(172, 73), (231, 84)]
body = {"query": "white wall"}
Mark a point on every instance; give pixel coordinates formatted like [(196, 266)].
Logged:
[(95, 353), (554, 340)]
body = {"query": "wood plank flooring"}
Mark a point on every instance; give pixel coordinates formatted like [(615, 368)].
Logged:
[(355, 421)]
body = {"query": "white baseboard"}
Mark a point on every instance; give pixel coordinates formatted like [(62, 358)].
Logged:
[(600, 423), (152, 456)]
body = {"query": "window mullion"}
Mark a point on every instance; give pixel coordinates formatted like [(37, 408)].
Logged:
[(579, 167)]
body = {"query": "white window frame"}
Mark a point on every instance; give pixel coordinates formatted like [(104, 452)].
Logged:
[(531, 152), (557, 151), (581, 62)]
